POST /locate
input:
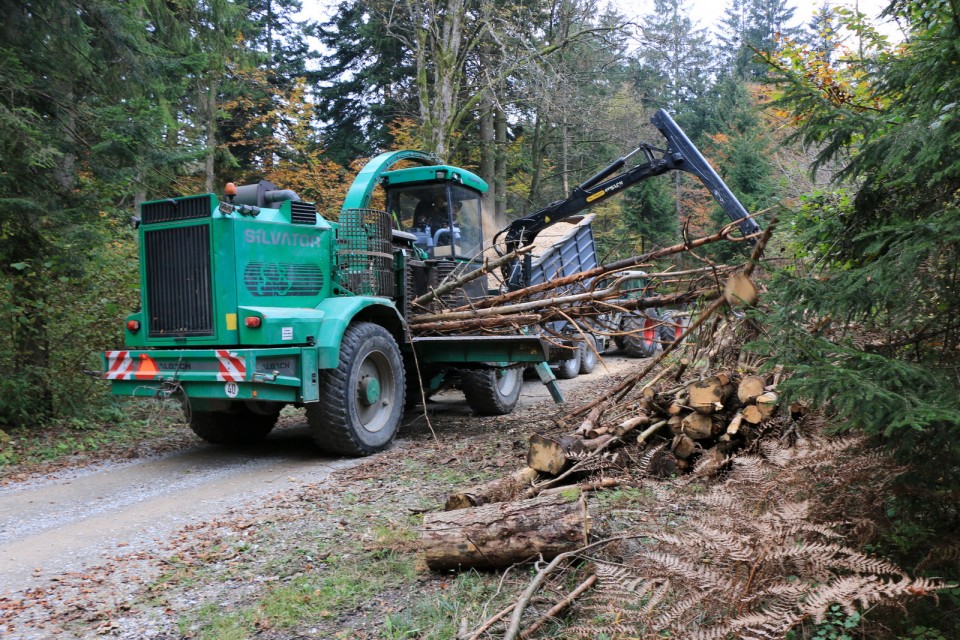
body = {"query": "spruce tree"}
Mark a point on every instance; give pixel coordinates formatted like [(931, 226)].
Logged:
[(880, 285), (363, 81)]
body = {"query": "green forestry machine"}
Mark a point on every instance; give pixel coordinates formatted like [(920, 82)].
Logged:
[(253, 301)]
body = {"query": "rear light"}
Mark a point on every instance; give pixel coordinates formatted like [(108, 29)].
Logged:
[(252, 322), (133, 326)]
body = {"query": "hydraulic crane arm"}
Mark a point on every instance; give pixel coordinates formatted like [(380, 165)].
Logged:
[(680, 155)]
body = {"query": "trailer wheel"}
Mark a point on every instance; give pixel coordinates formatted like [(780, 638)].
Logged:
[(570, 368), (588, 354), (361, 401), (239, 425), (492, 392), (641, 341)]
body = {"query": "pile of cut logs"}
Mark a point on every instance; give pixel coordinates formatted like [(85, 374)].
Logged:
[(530, 513)]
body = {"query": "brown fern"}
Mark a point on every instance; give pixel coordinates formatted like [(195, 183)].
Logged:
[(752, 557)]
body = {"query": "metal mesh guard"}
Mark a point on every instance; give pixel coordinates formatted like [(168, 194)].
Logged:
[(365, 252)]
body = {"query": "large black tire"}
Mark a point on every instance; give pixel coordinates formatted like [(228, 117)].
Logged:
[(641, 341), (236, 426), (588, 355), (570, 368), (492, 392), (672, 327), (361, 401)]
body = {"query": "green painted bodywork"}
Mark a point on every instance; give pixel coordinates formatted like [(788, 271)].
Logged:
[(487, 348), (437, 173), (281, 269), (358, 197)]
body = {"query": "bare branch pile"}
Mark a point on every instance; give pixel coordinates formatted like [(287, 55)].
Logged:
[(740, 536), (587, 297)]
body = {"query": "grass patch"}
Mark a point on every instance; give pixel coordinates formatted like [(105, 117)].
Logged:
[(437, 616), (342, 584), (125, 425)]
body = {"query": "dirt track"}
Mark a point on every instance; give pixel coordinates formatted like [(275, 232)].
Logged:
[(86, 518)]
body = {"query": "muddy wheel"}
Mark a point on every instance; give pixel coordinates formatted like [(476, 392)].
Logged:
[(641, 342), (492, 392), (238, 425), (361, 401), (588, 354)]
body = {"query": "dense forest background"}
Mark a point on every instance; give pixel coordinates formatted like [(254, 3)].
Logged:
[(106, 104), (851, 135)]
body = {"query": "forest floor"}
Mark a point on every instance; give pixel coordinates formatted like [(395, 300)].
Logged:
[(176, 539), (172, 538)]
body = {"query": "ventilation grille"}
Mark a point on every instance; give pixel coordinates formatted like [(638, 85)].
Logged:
[(303, 213), (444, 271), (180, 209), (365, 252), (280, 279), (179, 287)]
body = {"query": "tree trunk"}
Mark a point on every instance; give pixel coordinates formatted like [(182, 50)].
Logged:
[(505, 533), (499, 490), (500, 167), (209, 100), (487, 135)]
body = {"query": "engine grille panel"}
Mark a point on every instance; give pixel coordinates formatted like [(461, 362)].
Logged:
[(179, 283), (181, 209), (303, 213)]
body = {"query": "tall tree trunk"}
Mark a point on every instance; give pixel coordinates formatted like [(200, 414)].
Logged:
[(500, 167), (209, 100), (536, 161), (488, 152), (487, 137)]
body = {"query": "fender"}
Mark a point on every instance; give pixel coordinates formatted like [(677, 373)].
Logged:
[(340, 312)]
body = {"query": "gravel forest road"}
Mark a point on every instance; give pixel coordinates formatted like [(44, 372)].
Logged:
[(74, 519), (89, 517)]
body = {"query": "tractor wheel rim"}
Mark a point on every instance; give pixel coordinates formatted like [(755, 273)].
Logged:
[(369, 391), (649, 331), (376, 386)]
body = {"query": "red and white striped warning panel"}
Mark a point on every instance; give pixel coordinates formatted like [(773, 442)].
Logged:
[(119, 366), (232, 368)]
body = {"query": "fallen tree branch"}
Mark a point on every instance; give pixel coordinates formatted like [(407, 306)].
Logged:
[(620, 265), (630, 382), (514, 629), (547, 303), (489, 322), (560, 606), (490, 622)]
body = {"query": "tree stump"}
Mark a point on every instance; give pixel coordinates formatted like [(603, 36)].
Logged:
[(505, 533)]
